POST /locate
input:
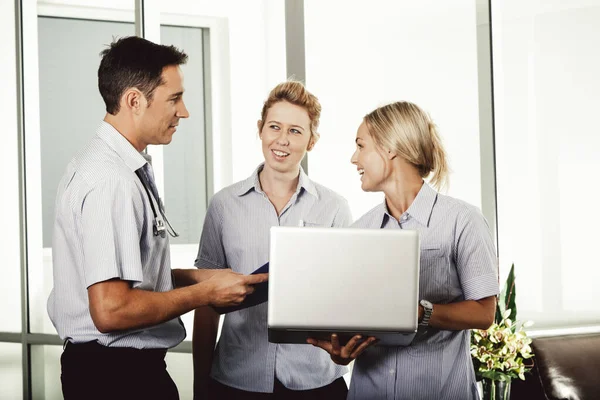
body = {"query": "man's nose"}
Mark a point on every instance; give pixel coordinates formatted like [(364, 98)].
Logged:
[(182, 111)]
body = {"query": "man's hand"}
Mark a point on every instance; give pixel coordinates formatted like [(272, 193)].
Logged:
[(343, 355), (229, 288)]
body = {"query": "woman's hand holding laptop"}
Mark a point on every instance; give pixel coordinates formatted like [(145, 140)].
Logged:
[(343, 355)]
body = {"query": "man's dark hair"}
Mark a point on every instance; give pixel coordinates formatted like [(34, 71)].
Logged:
[(134, 62)]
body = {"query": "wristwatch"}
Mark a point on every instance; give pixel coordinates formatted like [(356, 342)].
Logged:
[(427, 311)]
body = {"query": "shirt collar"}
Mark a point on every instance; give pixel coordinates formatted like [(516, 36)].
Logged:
[(116, 141), (421, 207), (253, 182)]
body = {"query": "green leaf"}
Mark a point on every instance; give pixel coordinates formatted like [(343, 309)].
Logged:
[(507, 300)]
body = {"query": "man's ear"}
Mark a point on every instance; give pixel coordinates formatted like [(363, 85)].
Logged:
[(133, 100)]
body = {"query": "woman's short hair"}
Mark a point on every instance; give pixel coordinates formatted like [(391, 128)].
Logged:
[(295, 93), (408, 131)]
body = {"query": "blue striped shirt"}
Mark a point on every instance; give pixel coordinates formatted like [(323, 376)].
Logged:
[(103, 230), (236, 235), (458, 262)]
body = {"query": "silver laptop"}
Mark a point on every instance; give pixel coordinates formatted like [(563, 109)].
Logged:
[(344, 281)]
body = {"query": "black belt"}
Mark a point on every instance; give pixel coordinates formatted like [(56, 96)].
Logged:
[(92, 348)]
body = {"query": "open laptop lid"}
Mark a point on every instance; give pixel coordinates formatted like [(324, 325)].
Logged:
[(343, 280)]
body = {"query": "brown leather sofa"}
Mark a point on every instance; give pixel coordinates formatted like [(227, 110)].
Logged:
[(566, 367)]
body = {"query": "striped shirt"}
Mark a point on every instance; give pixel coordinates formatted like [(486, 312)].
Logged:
[(103, 230), (458, 262), (236, 235)]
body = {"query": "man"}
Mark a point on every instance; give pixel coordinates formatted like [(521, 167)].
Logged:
[(113, 300)]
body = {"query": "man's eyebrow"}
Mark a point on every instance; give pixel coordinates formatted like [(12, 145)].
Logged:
[(177, 94)]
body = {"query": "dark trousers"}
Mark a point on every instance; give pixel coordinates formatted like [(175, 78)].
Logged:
[(92, 371), (337, 390)]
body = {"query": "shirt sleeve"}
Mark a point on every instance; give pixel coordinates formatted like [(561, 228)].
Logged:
[(211, 253), (343, 217), (111, 228), (476, 258)]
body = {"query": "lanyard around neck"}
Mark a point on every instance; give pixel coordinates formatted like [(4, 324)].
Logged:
[(158, 226)]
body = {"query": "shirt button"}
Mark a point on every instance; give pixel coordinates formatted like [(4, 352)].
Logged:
[(404, 217), (392, 371)]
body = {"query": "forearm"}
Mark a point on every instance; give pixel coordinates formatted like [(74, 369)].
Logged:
[(188, 276), (468, 314), (206, 324), (135, 308)]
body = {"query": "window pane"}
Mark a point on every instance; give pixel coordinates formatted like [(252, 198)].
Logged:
[(546, 96), (45, 372), (71, 109), (11, 371), (181, 369), (387, 51), (185, 168), (185, 156), (10, 284)]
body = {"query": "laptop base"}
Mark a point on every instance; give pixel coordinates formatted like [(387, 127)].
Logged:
[(299, 336)]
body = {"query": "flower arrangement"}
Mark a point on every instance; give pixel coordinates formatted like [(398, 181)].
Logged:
[(500, 352)]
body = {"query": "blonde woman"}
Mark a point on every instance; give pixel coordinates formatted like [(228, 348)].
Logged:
[(397, 147), (236, 235)]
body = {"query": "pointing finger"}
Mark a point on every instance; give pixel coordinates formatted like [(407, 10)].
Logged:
[(258, 278)]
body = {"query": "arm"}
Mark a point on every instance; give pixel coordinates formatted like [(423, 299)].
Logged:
[(206, 324), (115, 306), (189, 276), (476, 264), (468, 314)]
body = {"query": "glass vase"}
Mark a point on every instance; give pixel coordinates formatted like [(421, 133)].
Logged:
[(495, 390)]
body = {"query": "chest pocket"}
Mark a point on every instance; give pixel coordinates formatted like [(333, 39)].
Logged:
[(434, 278)]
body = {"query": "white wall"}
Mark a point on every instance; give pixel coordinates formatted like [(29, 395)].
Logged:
[(547, 94), (361, 55)]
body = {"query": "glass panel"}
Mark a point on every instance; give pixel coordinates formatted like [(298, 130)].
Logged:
[(185, 156), (11, 371), (45, 372), (10, 284), (70, 110), (387, 51), (181, 369), (546, 97)]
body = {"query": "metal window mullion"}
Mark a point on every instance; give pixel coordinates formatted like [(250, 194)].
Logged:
[(208, 115), (26, 350), (294, 47), (487, 136), (493, 108)]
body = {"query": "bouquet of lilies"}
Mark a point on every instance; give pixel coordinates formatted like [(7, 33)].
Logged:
[(500, 352)]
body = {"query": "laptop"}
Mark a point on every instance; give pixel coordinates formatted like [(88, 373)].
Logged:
[(343, 280)]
